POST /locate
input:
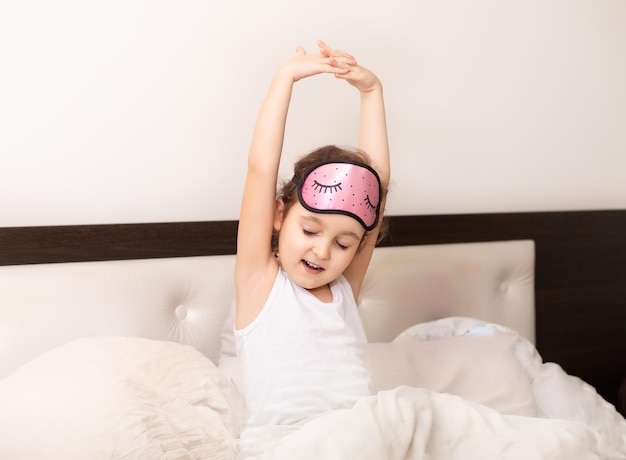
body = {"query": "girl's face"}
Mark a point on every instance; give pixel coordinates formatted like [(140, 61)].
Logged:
[(315, 248)]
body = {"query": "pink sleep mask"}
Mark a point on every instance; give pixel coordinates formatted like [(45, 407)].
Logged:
[(342, 187)]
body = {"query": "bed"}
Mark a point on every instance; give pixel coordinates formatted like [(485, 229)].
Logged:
[(491, 336)]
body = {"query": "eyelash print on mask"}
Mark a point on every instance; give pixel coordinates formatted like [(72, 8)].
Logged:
[(369, 204), (325, 188)]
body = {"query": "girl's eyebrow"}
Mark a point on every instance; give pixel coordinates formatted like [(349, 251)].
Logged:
[(318, 221)]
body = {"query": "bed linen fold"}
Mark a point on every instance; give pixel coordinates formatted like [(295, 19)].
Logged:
[(411, 423)]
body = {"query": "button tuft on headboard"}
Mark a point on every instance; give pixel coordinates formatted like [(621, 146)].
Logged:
[(181, 312)]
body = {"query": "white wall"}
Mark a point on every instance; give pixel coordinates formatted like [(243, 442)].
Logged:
[(141, 110)]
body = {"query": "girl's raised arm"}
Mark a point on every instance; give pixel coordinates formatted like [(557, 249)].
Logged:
[(255, 267)]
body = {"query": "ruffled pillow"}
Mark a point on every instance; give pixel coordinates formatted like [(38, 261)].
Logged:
[(114, 397)]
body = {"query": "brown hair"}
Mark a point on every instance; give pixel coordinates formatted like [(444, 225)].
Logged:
[(288, 190)]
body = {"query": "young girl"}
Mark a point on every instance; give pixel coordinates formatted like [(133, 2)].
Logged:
[(297, 328)]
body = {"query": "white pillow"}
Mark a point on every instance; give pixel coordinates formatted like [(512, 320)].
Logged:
[(113, 397), (478, 364)]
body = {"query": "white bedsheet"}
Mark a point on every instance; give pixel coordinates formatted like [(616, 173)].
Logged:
[(411, 423)]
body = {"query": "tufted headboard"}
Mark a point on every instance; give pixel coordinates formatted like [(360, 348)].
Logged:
[(187, 299), (557, 277)]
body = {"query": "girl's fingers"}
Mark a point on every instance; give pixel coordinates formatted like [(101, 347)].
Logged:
[(337, 62), (340, 56), (344, 73), (321, 44)]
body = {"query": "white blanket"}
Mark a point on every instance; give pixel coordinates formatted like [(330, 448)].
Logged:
[(111, 398), (411, 423)]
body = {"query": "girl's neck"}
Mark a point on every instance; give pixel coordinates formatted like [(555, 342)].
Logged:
[(323, 293)]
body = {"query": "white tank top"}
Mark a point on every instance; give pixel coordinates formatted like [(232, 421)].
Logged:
[(301, 356)]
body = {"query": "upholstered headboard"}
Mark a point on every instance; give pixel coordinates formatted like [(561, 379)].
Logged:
[(187, 299)]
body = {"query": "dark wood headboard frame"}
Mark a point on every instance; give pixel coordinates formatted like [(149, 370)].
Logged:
[(580, 269)]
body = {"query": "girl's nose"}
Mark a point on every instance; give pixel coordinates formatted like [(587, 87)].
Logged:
[(321, 251)]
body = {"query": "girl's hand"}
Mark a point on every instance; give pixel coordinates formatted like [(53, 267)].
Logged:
[(304, 65), (348, 69)]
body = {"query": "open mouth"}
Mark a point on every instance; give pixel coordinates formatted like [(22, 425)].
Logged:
[(312, 267)]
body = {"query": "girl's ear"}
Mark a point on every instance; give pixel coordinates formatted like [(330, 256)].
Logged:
[(279, 214)]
